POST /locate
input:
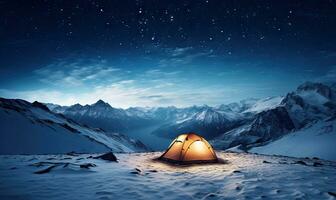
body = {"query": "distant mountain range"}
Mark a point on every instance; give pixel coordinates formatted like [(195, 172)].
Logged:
[(245, 125), (248, 123), (210, 121)]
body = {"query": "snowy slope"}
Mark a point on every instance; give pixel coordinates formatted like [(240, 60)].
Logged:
[(264, 104), (317, 140), (138, 176), (272, 118), (267, 125), (32, 128)]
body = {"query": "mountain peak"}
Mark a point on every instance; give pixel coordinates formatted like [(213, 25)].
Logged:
[(101, 103), (310, 86), (320, 88), (40, 105)]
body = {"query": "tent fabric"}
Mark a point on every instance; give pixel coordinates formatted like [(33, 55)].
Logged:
[(189, 148)]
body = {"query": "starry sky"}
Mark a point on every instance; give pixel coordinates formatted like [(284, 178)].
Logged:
[(161, 53)]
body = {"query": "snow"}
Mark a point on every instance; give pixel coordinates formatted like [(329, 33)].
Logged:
[(313, 98), (138, 176), (26, 137), (181, 121), (264, 104), (236, 149), (317, 140)]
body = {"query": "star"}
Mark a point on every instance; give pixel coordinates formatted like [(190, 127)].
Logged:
[(171, 18)]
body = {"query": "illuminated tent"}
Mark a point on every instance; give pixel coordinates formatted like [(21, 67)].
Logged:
[(189, 148)]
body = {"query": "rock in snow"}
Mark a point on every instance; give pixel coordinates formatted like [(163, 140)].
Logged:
[(107, 156)]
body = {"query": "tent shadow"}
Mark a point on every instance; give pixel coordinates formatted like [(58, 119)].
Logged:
[(219, 161)]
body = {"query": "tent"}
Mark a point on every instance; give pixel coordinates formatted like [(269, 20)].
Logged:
[(189, 148)]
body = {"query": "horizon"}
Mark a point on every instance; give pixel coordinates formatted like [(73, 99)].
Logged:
[(179, 107)]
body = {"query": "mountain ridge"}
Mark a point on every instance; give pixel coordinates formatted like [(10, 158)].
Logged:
[(33, 128)]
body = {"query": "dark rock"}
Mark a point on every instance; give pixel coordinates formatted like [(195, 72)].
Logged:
[(107, 156), (238, 187), (69, 128), (47, 170), (332, 194), (72, 153), (40, 105), (237, 171), (87, 165), (300, 162), (48, 121), (67, 158), (137, 171), (317, 164)]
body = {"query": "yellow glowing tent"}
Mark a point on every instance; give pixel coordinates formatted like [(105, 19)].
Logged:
[(189, 148)]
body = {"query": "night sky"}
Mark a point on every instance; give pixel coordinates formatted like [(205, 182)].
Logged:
[(160, 53)]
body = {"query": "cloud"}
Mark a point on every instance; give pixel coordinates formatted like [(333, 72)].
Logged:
[(126, 93), (182, 56), (42, 95), (161, 73), (85, 82), (76, 73), (329, 76), (179, 51), (152, 97), (126, 82)]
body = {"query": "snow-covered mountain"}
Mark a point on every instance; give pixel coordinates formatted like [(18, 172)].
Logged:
[(310, 102), (214, 121), (211, 122), (294, 122), (315, 140), (31, 128), (103, 115), (248, 123), (206, 120), (171, 120), (264, 126)]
